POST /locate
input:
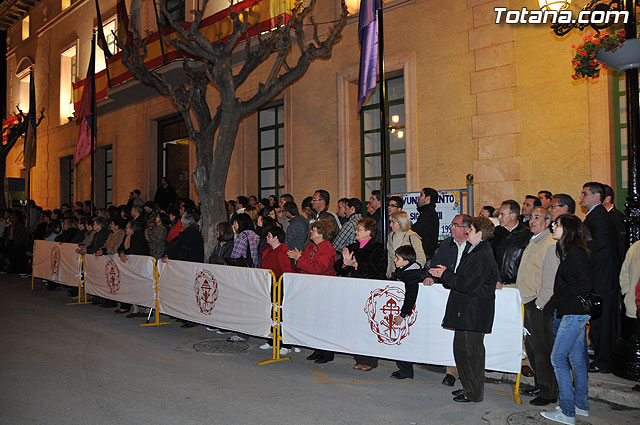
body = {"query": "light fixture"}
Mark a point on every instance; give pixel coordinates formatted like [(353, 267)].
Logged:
[(353, 6), (395, 119), (554, 5), (400, 134)]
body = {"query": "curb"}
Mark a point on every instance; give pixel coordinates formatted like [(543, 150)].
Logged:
[(608, 388)]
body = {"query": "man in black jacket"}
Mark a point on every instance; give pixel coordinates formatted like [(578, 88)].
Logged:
[(605, 267), (428, 223), (509, 241), (376, 204), (189, 245), (617, 218), (449, 254), (101, 227), (165, 195)]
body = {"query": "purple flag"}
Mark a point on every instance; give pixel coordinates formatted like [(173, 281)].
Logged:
[(368, 35)]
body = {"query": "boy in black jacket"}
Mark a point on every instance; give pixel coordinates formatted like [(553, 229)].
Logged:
[(409, 272)]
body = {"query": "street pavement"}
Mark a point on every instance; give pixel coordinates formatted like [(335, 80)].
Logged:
[(82, 364)]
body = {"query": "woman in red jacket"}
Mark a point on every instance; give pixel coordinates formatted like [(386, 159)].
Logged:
[(318, 257), (274, 257)]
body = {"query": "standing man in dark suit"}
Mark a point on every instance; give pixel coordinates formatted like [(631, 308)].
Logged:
[(617, 217), (375, 203), (605, 266), (428, 223)]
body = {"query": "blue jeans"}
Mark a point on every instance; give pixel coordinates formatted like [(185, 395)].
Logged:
[(570, 354)]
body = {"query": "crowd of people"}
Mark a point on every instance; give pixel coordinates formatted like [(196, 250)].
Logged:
[(541, 247)]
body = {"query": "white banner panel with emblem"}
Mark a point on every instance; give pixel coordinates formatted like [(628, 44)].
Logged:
[(233, 298), (56, 261), (131, 282), (356, 316)]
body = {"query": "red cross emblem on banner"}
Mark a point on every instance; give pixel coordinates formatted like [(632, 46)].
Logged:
[(206, 290), (382, 306), (112, 273), (55, 263)]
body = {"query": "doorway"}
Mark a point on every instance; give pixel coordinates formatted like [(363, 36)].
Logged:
[(173, 150)]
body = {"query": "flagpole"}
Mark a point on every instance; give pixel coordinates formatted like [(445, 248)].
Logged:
[(103, 41), (28, 226), (155, 9), (106, 64), (384, 126), (94, 121)]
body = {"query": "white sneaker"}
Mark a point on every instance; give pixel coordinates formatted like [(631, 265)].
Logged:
[(236, 338), (558, 416), (211, 328), (296, 349), (579, 411), (266, 346), (284, 351), (221, 332)]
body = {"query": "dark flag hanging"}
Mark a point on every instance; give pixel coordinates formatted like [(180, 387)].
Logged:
[(102, 41), (368, 35), (124, 35), (29, 153), (86, 112)]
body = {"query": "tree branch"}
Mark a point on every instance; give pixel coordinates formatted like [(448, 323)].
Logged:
[(265, 49), (308, 54)]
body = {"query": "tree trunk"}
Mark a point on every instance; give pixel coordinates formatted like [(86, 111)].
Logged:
[(3, 169), (210, 175)]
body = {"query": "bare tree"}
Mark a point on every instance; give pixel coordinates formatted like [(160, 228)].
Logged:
[(214, 134), (17, 130)]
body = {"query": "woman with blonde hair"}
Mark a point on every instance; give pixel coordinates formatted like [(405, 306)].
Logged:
[(401, 234)]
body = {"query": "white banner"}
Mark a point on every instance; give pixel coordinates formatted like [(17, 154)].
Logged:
[(131, 282), (233, 298), (355, 316), (55, 261), (449, 205)]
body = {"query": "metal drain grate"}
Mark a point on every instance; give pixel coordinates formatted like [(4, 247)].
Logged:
[(220, 347)]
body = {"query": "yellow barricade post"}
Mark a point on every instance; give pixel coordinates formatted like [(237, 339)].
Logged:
[(82, 289), (276, 312), (516, 387), (156, 278)]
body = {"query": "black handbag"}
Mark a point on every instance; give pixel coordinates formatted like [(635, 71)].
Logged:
[(246, 261), (592, 304)]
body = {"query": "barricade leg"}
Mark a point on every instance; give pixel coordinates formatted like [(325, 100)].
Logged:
[(516, 387), (33, 256), (82, 289), (156, 277), (276, 311)]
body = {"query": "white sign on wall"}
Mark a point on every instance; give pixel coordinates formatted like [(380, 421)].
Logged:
[(449, 205)]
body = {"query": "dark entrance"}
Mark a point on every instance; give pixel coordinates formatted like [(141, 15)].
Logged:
[(173, 154)]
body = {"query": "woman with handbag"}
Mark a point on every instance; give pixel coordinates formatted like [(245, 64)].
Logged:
[(246, 244), (245, 254), (571, 293)]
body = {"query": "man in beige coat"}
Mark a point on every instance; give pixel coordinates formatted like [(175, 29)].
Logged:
[(629, 277), (535, 281)]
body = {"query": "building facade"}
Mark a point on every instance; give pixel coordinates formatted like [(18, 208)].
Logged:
[(466, 96)]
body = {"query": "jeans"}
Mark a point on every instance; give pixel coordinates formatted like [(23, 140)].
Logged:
[(570, 354)]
